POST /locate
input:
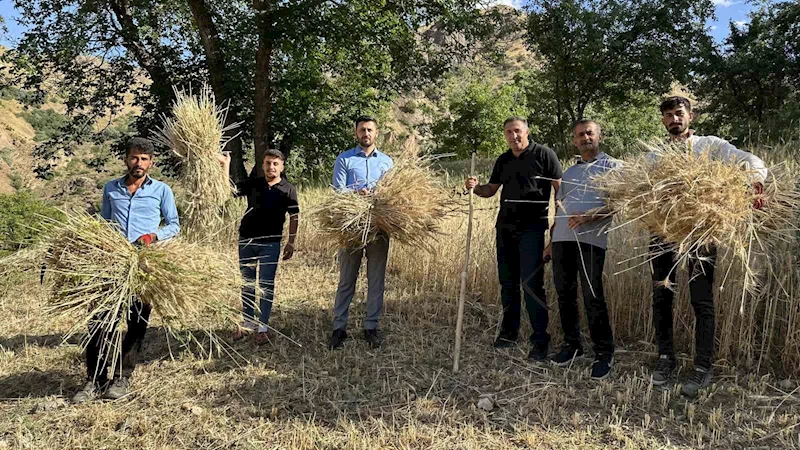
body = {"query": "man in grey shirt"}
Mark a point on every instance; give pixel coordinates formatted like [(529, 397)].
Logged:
[(578, 248)]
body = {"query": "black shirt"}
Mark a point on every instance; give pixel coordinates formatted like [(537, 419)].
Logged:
[(527, 177), (267, 208)]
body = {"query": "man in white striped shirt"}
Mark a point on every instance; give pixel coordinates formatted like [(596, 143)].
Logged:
[(677, 115)]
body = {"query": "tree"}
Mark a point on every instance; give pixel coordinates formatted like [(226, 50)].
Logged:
[(477, 109), (752, 84), (608, 49), (286, 67)]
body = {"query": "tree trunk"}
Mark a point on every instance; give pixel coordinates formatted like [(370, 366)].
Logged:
[(285, 145), (131, 39), (263, 89), (215, 59)]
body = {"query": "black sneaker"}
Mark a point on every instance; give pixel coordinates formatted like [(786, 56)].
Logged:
[(538, 353), (663, 370), (698, 380), (566, 355), (119, 388), (505, 341), (337, 339), (90, 391), (372, 338), (601, 368)]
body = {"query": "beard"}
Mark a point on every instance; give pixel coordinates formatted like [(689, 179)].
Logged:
[(365, 142), (137, 173), (677, 130)]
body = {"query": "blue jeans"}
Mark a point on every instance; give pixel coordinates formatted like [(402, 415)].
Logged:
[(519, 264), (265, 255)]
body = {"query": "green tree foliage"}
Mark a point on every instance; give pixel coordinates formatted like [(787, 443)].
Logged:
[(627, 124), (624, 122), (607, 49), (751, 86), (295, 71), (477, 110)]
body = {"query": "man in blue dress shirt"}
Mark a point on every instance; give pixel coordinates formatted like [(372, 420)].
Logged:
[(359, 169), (138, 204)]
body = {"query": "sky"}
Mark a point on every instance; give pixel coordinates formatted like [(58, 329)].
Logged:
[(727, 10)]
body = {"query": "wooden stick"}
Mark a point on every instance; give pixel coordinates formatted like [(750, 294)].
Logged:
[(461, 297)]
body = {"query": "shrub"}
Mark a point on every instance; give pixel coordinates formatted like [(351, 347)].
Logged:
[(46, 122), (22, 218)]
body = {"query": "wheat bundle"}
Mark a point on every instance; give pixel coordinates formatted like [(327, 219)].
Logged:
[(97, 273), (408, 204), (695, 203), (196, 132)]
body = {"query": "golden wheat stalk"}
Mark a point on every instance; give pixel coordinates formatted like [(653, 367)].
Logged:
[(408, 204), (197, 133), (697, 203)]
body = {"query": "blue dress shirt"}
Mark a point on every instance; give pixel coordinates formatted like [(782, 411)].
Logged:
[(141, 213), (355, 170)]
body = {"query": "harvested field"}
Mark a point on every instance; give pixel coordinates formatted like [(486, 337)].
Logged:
[(404, 395)]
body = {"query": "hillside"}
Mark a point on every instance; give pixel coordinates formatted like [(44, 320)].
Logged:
[(16, 143)]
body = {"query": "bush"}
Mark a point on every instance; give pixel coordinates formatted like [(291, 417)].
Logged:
[(46, 122), (15, 93), (22, 219)]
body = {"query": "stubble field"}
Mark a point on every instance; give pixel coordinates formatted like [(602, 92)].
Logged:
[(294, 393)]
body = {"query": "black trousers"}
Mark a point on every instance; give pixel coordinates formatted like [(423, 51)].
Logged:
[(701, 282), (519, 264), (567, 268), (101, 345)]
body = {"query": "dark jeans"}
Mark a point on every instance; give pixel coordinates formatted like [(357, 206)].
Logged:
[(101, 346), (265, 255), (519, 264), (702, 298), (568, 264)]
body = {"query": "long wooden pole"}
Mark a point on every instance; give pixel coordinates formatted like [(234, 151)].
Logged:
[(464, 274)]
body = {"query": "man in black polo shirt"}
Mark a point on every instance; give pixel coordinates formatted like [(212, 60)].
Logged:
[(527, 171), (269, 199)]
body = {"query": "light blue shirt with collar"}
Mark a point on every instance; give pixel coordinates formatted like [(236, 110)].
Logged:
[(355, 170), (142, 212)]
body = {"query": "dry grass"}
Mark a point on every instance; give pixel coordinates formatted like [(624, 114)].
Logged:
[(404, 395), (400, 397), (197, 133), (95, 274), (697, 203), (408, 204)]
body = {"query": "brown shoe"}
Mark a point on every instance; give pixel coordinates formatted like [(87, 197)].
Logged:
[(262, 337), (119, 388)]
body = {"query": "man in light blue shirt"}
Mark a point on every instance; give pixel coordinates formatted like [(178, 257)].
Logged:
[(359, 169), (138, 204), (140, 213)]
